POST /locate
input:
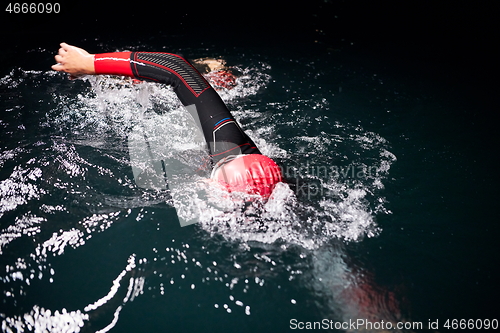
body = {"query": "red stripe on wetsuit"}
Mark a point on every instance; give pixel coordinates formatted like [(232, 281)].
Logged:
[(116, 63)]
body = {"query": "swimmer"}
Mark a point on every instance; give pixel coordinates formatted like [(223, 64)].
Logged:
[(239, 166)]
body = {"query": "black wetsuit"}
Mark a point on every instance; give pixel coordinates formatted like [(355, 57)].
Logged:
[(222, 133)]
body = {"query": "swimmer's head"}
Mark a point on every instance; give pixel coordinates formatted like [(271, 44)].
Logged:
[(252, 174)]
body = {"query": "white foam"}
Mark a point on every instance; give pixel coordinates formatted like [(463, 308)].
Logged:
[(337, 204)]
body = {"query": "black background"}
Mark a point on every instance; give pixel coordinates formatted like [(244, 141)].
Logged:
[(457, 38)]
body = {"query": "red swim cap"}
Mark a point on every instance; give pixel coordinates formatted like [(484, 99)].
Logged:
[(252, 174)]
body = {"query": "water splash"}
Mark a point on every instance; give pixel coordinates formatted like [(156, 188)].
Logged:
[(333, 189), (334, 179)]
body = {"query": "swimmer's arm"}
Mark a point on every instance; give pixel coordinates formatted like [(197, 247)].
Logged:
[(74, 60), (160, 67), (77, 62)]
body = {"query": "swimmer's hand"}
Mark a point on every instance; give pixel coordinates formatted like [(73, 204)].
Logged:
[(74, 60)]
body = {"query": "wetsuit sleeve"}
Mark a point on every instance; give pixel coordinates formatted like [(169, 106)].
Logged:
[(117, 63), (222, 133)]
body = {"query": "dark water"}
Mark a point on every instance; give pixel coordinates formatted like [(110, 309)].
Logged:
[(389, 213)]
